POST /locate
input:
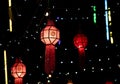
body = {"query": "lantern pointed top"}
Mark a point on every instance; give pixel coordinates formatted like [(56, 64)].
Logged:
[(50, 22)]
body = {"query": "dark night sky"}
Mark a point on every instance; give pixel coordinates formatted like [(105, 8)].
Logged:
[(102, 58)]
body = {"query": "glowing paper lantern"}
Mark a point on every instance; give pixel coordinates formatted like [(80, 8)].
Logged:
[(81, 41), (18, 71), (50, 36)]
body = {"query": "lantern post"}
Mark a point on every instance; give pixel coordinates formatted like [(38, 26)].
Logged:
[(18, 71), (50, 35), (81, 41)]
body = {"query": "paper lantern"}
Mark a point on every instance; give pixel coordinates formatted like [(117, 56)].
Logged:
[(81, 41), (50, 35), (18, 71)]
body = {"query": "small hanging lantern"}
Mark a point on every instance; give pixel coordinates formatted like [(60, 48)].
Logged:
[(50, 35), (18, 71), (81, 41)]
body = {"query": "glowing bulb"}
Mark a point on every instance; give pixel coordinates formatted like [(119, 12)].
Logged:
[(46, 14)]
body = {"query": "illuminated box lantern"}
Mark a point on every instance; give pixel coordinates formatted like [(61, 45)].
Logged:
[(18, 71), (50, 35)]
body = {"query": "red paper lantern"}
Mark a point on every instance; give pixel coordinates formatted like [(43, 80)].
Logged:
[(18, 71), (50, 35), (81, 41)]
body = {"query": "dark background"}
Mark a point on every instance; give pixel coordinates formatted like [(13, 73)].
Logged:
[(71, 17)]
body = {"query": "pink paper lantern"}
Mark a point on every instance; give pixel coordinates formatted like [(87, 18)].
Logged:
[(50, 35)]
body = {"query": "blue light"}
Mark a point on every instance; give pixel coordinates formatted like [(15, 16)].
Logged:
[(59, 42), (106, 19)]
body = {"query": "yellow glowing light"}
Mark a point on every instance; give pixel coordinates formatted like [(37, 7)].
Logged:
[(5, 67), (10, 4), (110, 33), (109, 15), (10, 25), (10, 15), (111, 40), (110, 23)]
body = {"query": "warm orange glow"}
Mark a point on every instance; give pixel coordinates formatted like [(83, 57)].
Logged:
[(18, 71), (70, 82)]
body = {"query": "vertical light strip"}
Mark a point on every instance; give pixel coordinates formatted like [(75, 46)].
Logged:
[(109, 17), (9, 3), (111, 38), (106, 20), (94, 14), (5, 67), (110, 23), (10, 15)]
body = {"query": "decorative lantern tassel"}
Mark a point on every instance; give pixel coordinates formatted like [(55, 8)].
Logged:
[(49, 59), (81, 56), (18, 81)]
